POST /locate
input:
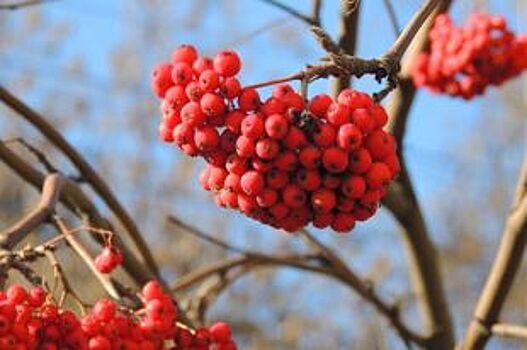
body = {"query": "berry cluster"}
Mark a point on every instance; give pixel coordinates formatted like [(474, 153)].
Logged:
[(108, 259), (285, 161), (463, 61), (28, 321)]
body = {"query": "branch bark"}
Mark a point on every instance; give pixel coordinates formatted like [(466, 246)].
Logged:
[(402, 202), (86, 170), (39, 215), (502, 273), (509, 331)]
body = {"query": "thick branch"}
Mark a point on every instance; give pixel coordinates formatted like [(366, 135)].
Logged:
[(86, 170), (502, 274), (39, 215)]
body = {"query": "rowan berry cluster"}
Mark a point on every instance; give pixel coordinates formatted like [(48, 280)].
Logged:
[(464, 61), (285, 161), (29, 321)]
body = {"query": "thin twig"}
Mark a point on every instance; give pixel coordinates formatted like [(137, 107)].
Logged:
[(41, 157), (291, 11), (83, 253), (86, 170), (22, 4), (393, 17)]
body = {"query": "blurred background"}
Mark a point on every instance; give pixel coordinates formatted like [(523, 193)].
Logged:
[(86, 66)]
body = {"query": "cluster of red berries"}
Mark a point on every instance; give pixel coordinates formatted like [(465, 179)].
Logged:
[(463, 61), (28, 321), (285, 161), (109, 258)]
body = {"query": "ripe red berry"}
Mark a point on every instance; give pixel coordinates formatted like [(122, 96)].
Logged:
[(308, 180), (343, 222), (325, 136), (233, 121), (193, 91), (319, 105), (212, 104), (252, 182), (202, 64), (185, 53), (335, 160), (363, 119), (236, 164), (249, 100), (253, 126), (276, 126), (206, 138), (162, 78), (227, 63), (286, 161), (231, 88), (310, 157), (276, 179), (360, 161), (354, 186), (182, 73), (267, 198), (322, 220), (323, 200), (295, 138), (349, 137), (221, 332), (209, 80), (379, 145), (183, 133), (192, 114), (273, 106), (245, 147), (378, 176), (293, 196), (337, 114), (267, 148)]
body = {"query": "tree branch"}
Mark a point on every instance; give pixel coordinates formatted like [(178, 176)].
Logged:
[(503, 271), (22, 4), (46, 205), (349, 23), (509, 330), (86, 170), (73, 197), (393, 17), (292, 12)]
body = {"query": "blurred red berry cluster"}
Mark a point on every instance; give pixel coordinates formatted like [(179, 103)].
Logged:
[(284, 161), (464, 61), (30, 321)]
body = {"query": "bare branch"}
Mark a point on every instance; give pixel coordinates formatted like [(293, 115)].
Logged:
[(39, 215), (292, 12), (22, 4), (316, 7), (509, 330), (41, 157), (501, 277), (86, 170), (73, 197), (393, 17)]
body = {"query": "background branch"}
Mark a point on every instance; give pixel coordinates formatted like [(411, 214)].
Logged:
[(86, 170), (503, 271)]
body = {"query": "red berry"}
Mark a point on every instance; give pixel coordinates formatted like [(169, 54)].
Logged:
[(252, 182), (276, 179), (276, 126), (378, 176), (360, 161), (182, 73), (325, 136), (286, 161), (221, 332), (185, 53), (337, 114), (206, 138), (323, 200), (267, 148), (343, 222), (253, 126), (295, 138), (209, 80), (162, 78), (363, 119), (193, 91), (319, 105), (267, 198), (202, 64), (227, 63), (236, 164), (349, 137), (293, 196), (245, 147), (249, 100), (212, 104), (231, 88), (310, 157), (354, 186), (322, 220), (379, 144), (335, 160), (192, 114), (233, 121), (308, 180)]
